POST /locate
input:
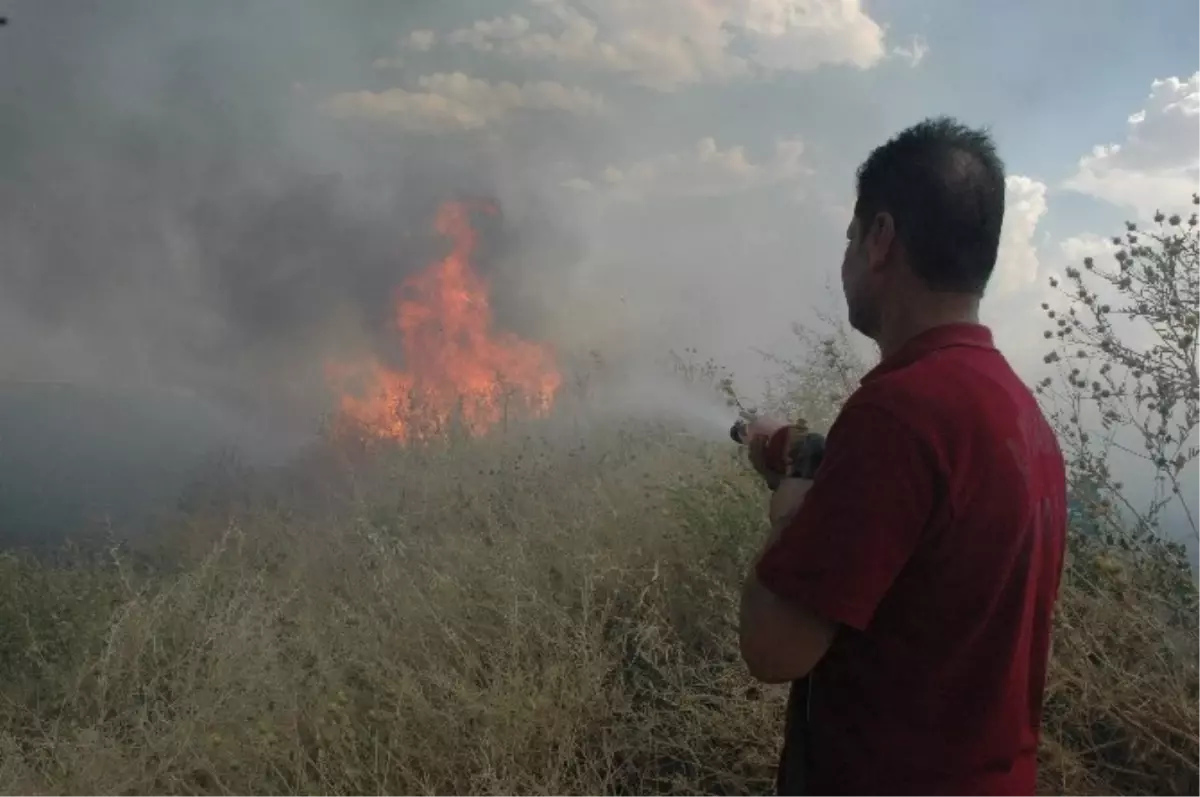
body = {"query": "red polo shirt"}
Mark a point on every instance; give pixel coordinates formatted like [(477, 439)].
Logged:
[(933, 534)]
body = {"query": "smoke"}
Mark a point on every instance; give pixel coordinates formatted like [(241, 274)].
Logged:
[(203, 202), (213, 199), (180, 213), (175, 215)]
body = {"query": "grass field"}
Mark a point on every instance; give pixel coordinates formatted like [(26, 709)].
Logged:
[(550, 610)]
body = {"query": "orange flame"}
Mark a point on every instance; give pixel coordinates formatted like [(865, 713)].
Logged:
[(456, 366)]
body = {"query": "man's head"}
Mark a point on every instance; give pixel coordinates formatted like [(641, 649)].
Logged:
[(927, 220)]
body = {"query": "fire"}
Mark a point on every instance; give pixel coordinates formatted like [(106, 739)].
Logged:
[(456, 366)]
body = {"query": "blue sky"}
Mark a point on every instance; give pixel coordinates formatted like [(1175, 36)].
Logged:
[(1053, 79)]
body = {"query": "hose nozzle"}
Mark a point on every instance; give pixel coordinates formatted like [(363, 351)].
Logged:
[(804, 450)]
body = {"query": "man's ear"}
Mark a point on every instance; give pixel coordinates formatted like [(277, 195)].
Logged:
[(880, 239)]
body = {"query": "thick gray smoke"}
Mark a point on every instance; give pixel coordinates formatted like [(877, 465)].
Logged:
[(190, 230), (177, 216), (186, 239)]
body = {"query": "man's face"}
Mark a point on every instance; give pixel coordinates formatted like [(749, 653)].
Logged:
[(860, 282)]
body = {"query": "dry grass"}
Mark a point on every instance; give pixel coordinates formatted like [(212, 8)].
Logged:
[(507, 616)]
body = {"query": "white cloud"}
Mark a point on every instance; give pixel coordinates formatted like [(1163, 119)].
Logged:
[(1018, 319), (1017, 262), (1021, 323), (1071, 254), (1073, 250), (912, 53), (454, 101), (484, 34), (1018, 285), (1066, 254), (706, 170), (1158, 164), (420, 40), (668, 43)]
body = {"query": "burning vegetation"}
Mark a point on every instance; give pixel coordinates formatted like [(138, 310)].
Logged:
[(457, 367)]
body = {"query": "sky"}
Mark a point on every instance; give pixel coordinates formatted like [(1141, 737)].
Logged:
[(217, 197), (731, 131)]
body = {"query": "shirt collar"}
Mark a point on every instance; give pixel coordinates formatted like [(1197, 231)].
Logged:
[(941, 337)]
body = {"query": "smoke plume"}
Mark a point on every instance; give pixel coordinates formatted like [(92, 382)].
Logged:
[(177, 215)]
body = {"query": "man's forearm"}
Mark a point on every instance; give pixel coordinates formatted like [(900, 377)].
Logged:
[(785, 502), (782, 506), (779, 641)]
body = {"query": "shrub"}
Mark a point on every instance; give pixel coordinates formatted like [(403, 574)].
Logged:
[(1122, 702)]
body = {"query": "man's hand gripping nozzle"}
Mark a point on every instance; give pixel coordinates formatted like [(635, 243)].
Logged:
[(798, 455)]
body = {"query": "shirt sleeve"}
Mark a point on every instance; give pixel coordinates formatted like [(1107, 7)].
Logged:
[(860, 521)]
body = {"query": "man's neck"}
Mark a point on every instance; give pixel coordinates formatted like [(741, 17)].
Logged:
[(936, 311)]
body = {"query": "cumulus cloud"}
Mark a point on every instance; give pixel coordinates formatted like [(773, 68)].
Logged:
[(705, 170), (670, 43), (1024, 207), (455, 101), (484, 34), (1031, 272), (1158, 163), (1071, 253), (419, 40), (1018, 316), (912, 53), (1018, 285), (1066, 254)]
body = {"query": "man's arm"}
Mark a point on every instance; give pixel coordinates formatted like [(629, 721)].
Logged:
[(836, 544), (780, 641)]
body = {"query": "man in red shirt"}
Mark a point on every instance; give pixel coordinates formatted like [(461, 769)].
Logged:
[(914, 578)]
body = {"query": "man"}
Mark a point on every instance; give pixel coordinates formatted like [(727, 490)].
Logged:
[(915, 576)]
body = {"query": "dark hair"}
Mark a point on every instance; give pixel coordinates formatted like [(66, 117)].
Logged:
[(943, 184)]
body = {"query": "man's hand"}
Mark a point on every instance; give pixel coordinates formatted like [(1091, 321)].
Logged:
[(783, 505), (785, 502), (758, 433)]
